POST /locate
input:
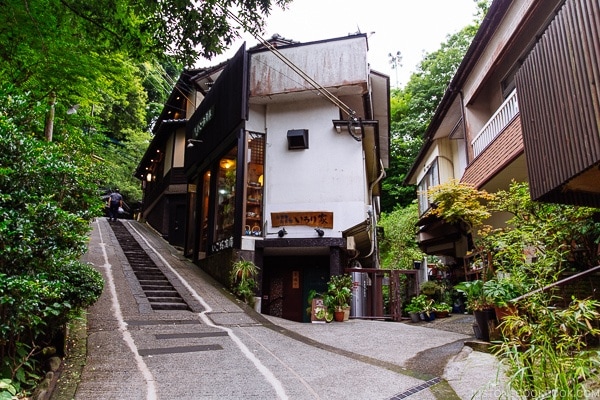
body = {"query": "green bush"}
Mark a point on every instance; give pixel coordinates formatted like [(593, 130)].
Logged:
[(548, 350), (398, 248), (81, 284), (48, 198)]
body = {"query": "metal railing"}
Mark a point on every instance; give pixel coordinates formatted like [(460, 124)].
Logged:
[(500, 120)]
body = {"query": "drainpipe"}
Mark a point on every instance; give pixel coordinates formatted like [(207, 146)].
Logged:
[(373, 215), (464, 124)]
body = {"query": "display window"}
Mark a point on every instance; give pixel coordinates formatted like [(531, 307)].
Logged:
[(225, 201), (255, 159)]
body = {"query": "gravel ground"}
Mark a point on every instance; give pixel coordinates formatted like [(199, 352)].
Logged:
[(457, 323)]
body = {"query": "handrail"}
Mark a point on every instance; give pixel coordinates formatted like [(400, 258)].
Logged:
[(557, 283)]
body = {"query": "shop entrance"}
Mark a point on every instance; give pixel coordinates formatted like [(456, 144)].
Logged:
[(287, 281)]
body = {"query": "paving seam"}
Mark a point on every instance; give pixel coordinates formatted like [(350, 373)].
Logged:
[(179, 349), (262, 321)]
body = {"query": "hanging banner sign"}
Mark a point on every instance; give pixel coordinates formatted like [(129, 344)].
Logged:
[(317, 219)]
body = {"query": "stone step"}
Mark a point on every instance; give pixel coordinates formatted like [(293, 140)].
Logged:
[(156, 286), (165, 300), (170, 306), (161, 293)]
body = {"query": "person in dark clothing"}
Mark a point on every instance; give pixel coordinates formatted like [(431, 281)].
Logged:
[(115, 200)]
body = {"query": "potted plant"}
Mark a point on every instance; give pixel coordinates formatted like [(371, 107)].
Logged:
[(242, 278), (500, 291), (339, 288), (428, 312), (415, 307), (481, 306), (430, 288), (442, 310), (344, 280)]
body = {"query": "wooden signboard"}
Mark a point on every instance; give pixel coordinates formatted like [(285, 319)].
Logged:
[(317, 219), (318, 311)]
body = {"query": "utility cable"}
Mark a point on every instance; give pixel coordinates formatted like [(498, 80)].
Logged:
[(330, 96)]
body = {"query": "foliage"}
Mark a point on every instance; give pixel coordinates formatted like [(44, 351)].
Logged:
[(474, 294), (430, 288), (78, 34), (121, 159), (398, 248), (459, 203), (442, 306), (242, 279), (412, 108), (544, 347), (418, 304), (547, 350), (541, 239), (48, 196), (500, 291), (339, 290)]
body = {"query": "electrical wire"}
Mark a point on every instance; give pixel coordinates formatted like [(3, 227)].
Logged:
[(322, 90)]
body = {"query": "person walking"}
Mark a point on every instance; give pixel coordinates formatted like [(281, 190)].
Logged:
[(115, 201)]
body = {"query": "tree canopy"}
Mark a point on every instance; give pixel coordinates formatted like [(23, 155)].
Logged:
[(413, 106), (98, 73)]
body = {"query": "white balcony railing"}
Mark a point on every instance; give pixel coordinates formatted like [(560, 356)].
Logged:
[(501, 118)]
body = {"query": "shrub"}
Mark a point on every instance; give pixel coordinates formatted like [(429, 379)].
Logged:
[(242, 279), (546, 349), (47, 200)]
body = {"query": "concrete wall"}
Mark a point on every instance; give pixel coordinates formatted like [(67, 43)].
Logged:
[(328, 176), (330, 63)]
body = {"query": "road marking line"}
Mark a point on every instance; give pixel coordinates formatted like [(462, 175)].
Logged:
[(267, 373), (116, 307)]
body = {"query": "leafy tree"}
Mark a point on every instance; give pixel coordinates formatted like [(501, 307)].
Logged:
[(413, 106), (557, 236), (120, 159), (69, 46), (48, 196), (398, 247)]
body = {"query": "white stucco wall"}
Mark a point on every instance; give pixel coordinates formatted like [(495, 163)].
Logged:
[(333, 63), (256, 119), (328, 176)]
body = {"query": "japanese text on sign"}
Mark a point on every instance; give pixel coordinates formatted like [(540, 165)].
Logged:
[(321, 219)]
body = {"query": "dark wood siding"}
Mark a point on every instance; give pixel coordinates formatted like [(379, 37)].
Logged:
[(559, 91)]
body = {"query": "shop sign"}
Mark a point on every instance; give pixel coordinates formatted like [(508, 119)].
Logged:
[(317, 219)]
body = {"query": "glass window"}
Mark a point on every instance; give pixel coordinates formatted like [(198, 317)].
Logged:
[(254, 184), (225, 195), (431, 179)]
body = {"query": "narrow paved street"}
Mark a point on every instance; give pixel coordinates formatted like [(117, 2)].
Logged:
[(142, 347)]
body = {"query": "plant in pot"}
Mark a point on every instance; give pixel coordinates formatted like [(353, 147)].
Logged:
[(344, 280), (242, 278), (428, 312), (500, 291), (430, 288), (340, 293), (442, 310), (416, 306), (481, 306)]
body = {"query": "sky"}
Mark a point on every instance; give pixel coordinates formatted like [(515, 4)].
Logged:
[(412, 27)]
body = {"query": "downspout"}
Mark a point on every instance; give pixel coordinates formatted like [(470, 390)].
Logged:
[(464, 124), (373, 216)]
